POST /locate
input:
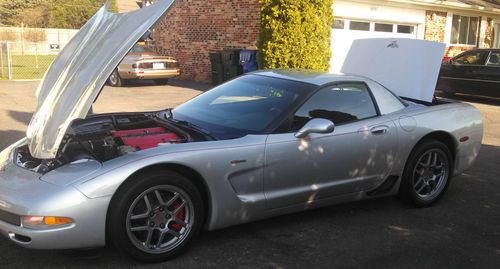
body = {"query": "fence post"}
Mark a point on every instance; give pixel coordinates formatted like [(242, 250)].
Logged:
[(9, 61), (1, 58)]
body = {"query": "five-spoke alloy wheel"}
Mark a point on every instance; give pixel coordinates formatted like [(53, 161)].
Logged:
[(427, 173), (155, 215), (160, 219)]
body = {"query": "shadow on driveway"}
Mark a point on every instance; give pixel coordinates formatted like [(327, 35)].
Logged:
[(20, 116), (8, 137)]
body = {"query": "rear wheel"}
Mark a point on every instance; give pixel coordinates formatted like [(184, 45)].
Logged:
[(115, 80), (155, 217), (162, 81), (427, 173)]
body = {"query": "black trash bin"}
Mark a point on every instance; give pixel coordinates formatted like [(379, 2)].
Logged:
[(230, 57), (248, 60), (231, 63), (217, 68)]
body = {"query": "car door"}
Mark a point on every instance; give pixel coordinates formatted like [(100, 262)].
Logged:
[(356, 156), (461, 74), (489, 75)]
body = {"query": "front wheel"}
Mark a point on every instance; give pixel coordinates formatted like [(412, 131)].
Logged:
[(427, 173), (155, 217)]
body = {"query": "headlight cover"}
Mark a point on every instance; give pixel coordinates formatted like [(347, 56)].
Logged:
[(46, 222)]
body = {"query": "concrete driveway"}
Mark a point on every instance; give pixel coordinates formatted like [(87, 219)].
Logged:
[(461, 231)]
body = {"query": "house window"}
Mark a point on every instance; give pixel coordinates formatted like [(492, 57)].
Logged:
[(406, 29), (464, 30), (359, 25), (338, 24), (383, 27)]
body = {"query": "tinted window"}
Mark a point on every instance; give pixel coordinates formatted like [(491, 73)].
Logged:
[(340, 104), (248, 104), (472, 58), (494, 59)]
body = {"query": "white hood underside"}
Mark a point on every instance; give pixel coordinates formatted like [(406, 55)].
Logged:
[(76, 77), (407, 67)]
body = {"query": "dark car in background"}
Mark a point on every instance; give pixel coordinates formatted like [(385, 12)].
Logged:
[(142, 63), (474, 72)]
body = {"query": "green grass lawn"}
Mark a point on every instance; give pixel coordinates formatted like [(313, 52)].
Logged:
[(29, 66)]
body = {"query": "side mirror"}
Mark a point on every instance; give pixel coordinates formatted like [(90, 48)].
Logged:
[(316, 126)]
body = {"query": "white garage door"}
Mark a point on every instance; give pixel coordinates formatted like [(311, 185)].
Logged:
[(347, 30)]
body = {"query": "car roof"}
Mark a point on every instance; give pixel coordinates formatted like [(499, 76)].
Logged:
[(308, 76)]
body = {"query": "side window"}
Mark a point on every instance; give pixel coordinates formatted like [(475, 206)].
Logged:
[(340, 104), (472, 58), (494, 59)]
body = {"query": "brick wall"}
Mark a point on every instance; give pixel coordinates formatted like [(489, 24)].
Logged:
[(435, 25), (193, 28)]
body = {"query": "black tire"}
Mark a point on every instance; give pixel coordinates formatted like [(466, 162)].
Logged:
[(115, 80), (413, 181), (119, 224), (161, 81)]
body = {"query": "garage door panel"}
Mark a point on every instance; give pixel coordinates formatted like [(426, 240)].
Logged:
[(343, 36)]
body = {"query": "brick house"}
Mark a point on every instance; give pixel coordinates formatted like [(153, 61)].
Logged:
[(193, 28)]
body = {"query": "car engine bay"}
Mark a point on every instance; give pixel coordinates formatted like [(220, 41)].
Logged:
[(105, 137)]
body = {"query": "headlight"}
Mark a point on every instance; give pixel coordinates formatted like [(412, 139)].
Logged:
[(44, 222)]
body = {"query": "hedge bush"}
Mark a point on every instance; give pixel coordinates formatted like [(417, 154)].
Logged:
[(295, 34)]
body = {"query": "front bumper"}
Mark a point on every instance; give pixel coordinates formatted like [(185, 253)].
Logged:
[(23, 193)]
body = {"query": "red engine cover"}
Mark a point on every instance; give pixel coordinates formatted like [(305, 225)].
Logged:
[(145, 138)]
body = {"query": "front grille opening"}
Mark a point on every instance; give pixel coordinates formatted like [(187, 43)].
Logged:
[(10, 218)]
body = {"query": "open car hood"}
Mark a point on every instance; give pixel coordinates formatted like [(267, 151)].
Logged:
[(408, 67), (78, 74)]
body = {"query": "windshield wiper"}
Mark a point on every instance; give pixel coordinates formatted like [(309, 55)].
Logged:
[(192, 126)]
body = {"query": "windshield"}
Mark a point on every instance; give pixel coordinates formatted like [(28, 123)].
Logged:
[(247, 105)]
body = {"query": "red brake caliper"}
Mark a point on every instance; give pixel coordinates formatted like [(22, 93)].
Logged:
[(180, 216)]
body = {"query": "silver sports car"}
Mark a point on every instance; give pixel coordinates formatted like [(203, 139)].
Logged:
[(262, 145)]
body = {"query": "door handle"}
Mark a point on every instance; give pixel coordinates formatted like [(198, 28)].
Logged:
[(379, 130)]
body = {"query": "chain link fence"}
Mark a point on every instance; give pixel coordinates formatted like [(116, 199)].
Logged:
[(24, 60), (26, 53)]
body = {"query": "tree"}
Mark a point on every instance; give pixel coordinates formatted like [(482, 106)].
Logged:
[(74, 13), (50, 13), (35, 17), (10, 10), (295, 34)]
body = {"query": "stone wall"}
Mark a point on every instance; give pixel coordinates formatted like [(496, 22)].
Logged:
[(435, 25)]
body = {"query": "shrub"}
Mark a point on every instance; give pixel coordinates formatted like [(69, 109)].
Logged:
[(295, 34)]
